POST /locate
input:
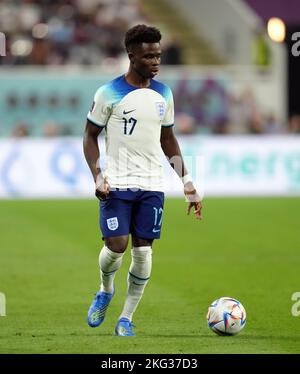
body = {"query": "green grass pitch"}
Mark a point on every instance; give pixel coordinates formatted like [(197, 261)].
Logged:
[(246, 248)]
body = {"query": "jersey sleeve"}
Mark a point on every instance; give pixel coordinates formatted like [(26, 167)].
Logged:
[(100, 110), (168, 119)]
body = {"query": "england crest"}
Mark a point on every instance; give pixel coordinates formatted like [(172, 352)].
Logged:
[(160, 109), (112, 223)]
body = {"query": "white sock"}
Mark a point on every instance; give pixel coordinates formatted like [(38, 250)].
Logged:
[(138, 276), (109, 263)]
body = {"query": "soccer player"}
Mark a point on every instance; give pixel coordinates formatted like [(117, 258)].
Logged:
[(137, 113)]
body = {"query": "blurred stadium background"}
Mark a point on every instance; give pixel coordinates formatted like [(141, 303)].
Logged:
[(236, 85), (234, 78)]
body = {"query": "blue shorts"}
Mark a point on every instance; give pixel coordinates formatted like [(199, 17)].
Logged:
[(132, 212)]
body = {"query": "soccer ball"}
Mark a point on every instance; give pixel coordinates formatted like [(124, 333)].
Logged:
[(226, 316)]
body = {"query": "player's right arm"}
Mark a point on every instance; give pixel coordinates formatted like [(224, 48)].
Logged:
[(92, 156), (97, 119)]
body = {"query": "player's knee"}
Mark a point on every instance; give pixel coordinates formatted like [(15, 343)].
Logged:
[(117, 244), (139, 242)]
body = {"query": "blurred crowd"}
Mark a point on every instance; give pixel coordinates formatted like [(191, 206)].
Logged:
[(211, 109), (56, 32), (81, 32), (72, 32), (215, 109)]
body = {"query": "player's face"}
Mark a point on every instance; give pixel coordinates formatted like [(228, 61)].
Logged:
[(145, 59)]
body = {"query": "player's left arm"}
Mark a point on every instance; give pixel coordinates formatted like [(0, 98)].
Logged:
[(172, 151)]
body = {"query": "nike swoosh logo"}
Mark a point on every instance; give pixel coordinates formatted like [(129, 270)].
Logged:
[(129, 111), (154, 230)]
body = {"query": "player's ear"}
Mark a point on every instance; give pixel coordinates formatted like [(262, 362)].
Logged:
[(131, 57)]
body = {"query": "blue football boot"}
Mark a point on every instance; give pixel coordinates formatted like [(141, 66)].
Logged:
[(96, 313), (124, 328)]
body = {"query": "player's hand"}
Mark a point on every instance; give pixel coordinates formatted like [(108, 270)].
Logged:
[(101, 187), (194, 200)]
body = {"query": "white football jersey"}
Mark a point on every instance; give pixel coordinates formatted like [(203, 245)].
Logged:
[(133, 118)]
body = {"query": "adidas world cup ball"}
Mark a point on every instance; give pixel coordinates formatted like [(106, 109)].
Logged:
[(226, 316)]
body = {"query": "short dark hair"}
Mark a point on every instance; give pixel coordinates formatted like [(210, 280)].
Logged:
[(141, 34)]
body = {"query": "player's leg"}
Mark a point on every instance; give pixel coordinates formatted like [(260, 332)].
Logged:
[(110, 260), (147, 219), (114, 222), (138, 276)]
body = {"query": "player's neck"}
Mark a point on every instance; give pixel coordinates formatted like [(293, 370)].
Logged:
[(135, 79)]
